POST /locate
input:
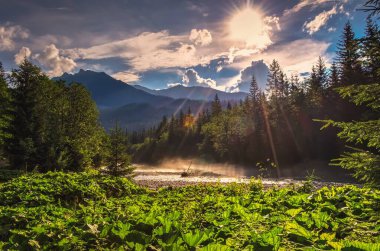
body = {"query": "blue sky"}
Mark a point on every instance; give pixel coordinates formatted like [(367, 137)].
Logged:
[(161, 43)]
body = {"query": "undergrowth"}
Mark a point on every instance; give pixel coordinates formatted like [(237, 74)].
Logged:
[(82, 211)]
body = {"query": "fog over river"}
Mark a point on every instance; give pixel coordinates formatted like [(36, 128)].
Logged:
[(202, 171)]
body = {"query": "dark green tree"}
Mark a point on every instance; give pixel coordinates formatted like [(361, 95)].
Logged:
[(28, 119), (364, 158), (5, 110), (118, 160), (216, 106), (349, 63), (83, 130), (371, 51)]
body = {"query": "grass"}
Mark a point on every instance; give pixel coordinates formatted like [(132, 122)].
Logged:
[(82, 211)]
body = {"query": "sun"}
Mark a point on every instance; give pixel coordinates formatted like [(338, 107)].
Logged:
[(247, 25)]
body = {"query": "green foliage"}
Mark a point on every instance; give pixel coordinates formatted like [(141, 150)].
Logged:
[(89, 211), (362, 95), (365, 163), (5, 116), (118, 160), (68, 189), (6, 174), (53, 126)]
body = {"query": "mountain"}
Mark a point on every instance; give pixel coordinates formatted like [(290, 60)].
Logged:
[(137, 107), (143, 116), (109, 92), (194, 93)]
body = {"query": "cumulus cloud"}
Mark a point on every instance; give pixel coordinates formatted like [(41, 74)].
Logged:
[(319, 21), (24, 52), (294, 56), (258, 69), (147, 51), (52, 59), (192, 78), (200, 37), (9, 33), (126, 76)]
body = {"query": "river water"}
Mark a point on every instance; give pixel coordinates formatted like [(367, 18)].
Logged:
[(170, 172)]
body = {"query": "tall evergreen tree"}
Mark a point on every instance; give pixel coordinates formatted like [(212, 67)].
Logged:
[(371, 50), (349, 64), (83, 129), (216, 106), (5, 110), (118, 160), (254, 90), (333, 79), (28, 119)]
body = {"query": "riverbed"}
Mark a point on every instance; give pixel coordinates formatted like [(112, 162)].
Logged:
[(179, 172)]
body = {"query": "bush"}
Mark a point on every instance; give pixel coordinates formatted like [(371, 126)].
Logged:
[(65, 188)]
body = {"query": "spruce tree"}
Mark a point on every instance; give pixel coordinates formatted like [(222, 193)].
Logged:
[(118, 160), (349, 64), (5, 110), (216, 107), (83, 129), (364, 157), (28, 118), (371, 50), (254, 90), (333, 79)]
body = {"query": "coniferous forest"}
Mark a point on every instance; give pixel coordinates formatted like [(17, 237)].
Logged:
[(67, 182)]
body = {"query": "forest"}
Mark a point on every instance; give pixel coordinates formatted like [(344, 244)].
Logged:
[(67, 183), (283, 122)]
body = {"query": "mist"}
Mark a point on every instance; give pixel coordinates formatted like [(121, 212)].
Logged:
[(202, 168)]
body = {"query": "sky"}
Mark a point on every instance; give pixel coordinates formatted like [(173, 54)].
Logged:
[(163, 43)]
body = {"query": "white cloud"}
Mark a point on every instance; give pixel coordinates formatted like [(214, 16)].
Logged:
[(24, 52), (191, 78), (9, 33), (257, 68), (319, 21), (147, 51), (200, 37), (331, 29), (173, 84), (304, 3), (298, 55), (295, 56), (126, 76), (52, 59)]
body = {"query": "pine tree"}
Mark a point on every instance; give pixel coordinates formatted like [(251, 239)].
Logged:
[(216, 107), (372, 6), (118, 160), (5, 110), (229, 106), (333, 79), (254, 90), (371, 50), (277, 83), (364, 158), (321, 73), (349, 64), (28, 119), (83, 129)]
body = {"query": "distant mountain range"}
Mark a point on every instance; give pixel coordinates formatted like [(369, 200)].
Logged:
[(195, 93), (138, 107), (109, 92)]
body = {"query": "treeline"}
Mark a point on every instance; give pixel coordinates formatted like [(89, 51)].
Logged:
[(51, 125), (275, 123)]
